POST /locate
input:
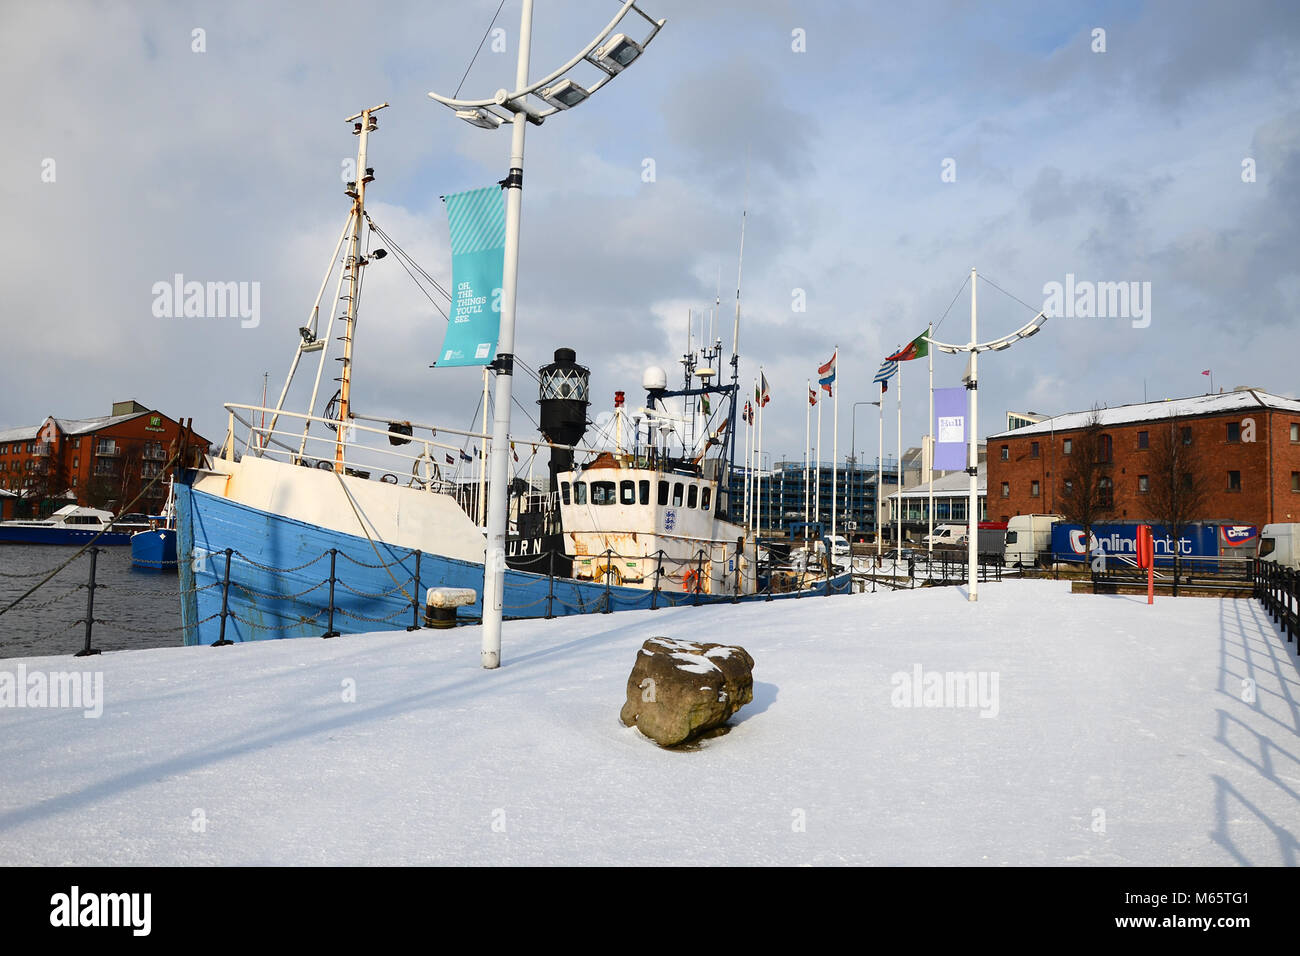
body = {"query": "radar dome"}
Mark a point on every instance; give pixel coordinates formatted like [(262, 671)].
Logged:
[(654, 378)]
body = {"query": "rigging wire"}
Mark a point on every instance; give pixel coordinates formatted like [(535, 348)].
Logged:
[(965, 283), (479, 50), (1009, 295)]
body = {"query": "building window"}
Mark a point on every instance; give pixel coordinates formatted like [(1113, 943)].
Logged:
[(75, 463), (1144, 440), (1033, 489), (1067, 446), (76, 443), (1295, 432), (1187, 481), (1234, 431), (1234, 481), (1105, 449), (1144, 484), (1106, 493), (106, 446), (1069, 487), (1006, 453), (1033, 449), (1187, 434), (1295, 481), (1006, 489)]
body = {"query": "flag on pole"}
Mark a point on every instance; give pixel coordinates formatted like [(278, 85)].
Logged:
[(826, 374), (748, 414), (812, 396), (465, 457), (762, 394), (915, 349), (704, 404), (888, 368), (450, 460), (1206, 372)]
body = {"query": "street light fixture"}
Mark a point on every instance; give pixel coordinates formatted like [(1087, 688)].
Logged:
[(972, 383), (558, 91)]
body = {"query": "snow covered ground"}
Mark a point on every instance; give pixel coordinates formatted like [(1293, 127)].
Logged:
[(1119, 734)]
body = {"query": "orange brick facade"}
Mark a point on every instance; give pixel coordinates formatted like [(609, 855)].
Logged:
[(1267, 468), (102, 463)]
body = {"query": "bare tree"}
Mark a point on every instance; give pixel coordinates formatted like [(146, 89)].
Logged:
[(1087, 490), (1178, 487)]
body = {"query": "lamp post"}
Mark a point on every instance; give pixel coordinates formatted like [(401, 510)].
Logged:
[(853, 453), (609, 55), (974, 347)]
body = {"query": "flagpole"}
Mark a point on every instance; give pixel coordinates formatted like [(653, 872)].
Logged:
[(929, 427), (880, 469), (749, 465), (807, 449), (835, 463), (898, 538), (817, 469), (758, 462)]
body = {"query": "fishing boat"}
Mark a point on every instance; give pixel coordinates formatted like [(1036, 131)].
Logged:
[(154, 548), (311, 524), (71, 524)]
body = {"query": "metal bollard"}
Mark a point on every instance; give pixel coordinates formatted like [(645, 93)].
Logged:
[(225, 603), (330, 632), (89, 651)]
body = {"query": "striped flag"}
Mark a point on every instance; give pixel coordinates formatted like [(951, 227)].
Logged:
[(888, 369), (826, 374), (762, 394), (919, 347), (812, 396)]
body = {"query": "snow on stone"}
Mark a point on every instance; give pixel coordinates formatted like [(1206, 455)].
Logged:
[(1123, 735)]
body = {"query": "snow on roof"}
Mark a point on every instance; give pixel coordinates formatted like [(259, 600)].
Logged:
[(1159, 411), (956, 484), (21, 433), (80, 426)]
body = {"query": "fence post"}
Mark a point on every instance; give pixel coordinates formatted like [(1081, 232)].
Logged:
[(415, 596), (89, 651), (699, 575), (609, 565), (550, 584), (225, 603), (659, 567), (330, 632)]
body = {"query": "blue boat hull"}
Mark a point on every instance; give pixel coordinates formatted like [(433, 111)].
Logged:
[(280, 579), (12, 535), (154, 550)]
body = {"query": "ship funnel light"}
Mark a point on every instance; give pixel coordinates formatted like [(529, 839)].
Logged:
[(564, 95)]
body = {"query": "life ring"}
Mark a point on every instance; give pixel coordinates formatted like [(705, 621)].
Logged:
[(691, 580), (425, 472)]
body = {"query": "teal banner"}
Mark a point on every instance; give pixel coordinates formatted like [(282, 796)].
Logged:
[(478, 241)]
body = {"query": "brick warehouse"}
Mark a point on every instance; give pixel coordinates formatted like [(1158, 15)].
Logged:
[(99, 462), (1248, 442)]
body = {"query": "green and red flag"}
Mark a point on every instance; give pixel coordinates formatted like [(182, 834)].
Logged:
[(915, 349)]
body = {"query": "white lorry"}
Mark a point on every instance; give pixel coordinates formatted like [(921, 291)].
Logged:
[(1029, 540), (1280, 543)]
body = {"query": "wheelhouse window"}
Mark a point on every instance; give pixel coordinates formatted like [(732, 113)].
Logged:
[(645, 492), (663, 493), (564, 492), (707, 493), (579, 492), (693, 496), (627, 492), (678, 491), (602, 493)]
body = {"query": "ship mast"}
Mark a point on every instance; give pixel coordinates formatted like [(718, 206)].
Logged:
[(363, 124)]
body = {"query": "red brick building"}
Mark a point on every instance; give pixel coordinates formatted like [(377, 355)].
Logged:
[(1247, 441), (100, 462)]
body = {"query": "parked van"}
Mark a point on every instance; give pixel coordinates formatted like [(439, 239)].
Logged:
[(950, 534), (1280, 543), (841, 550), (1029, 540)]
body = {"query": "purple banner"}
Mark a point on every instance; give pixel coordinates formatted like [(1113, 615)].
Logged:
[(950, 429)]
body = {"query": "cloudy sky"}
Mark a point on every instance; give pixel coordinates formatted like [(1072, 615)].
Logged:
[(884, 150)]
